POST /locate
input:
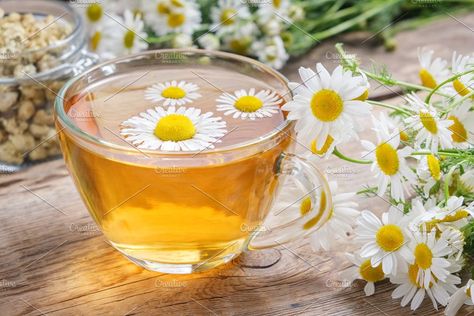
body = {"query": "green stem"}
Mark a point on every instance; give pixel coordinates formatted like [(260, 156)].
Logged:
[(338, 154), (394, 82), (160, 40), (428, 97), (344, 26), (440, 152), (458, 101), (389, 106), (447, 180)]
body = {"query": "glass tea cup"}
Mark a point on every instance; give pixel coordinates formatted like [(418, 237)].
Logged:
[(183, 212)]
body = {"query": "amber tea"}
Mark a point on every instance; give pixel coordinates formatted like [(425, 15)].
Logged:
[(176, 162)]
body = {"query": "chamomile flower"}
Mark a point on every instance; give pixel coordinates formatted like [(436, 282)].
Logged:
[(455, 239), (432, 131), (171, 129), (268, 9), (429, 253), (324, 105), (271, 51), (102, 38), (241, 39), (410, 290), (182, 41), (389, 163), (465, 83), (226, 16), (173, 92), (454, 214), (363, 270), (95, 12), (130, 36), (463, 296), (209, 41), (462, 128), (339, 224), (433, 71), (429, 172), (249, 105), (172, 16), (384, 241)]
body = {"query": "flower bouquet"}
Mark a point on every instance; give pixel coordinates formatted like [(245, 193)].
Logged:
[(423, 162)]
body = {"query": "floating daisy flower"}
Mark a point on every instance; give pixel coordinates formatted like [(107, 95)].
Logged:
[(227, 15), (462, 128), (339, 224), (465, 83), (271, 51), (130, 36), (389, 163), (429, 253), (182, 129), (173, 92), (463, 296), (363, 270), (433, 71), (429, 172), (410, 290), (172, 16), (324, 105), (384, 242), (249, 105), (432, 131)]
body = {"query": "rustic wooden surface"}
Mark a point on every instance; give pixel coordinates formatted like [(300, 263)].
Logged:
[(54, 261)]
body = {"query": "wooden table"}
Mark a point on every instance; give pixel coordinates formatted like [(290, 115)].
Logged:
[(53, 259)]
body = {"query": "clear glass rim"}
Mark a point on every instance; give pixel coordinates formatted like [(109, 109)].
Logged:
[(69, 125)]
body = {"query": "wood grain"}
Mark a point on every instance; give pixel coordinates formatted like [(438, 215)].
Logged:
[(54, 261)]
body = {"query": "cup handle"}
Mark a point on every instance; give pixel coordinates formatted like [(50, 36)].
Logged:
[(304, 213)]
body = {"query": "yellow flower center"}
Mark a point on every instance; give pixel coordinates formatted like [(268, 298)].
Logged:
[(459, 132), (276, 3), (248, 103), (364, 96), (404, 136), (129, 39), (305, 206), (322, 205), (227, 16), (94, 12), (177, 3), (95, 40), (460, 87), (175, 127), (326, 105), (423, 256), (162, 8), (239, 45), (413, 275), (427, 79), (173, 93), (458, 215), (428, 122), (324, 149), (387, 159), (468, 292), (389, 237), (176, 19), (369, 273), (433, 166)]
